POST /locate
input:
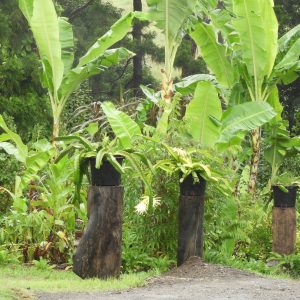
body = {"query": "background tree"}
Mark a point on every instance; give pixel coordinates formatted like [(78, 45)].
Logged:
[(288, 14), (187, 60), (21, 95), (137, 39), (91, 19)]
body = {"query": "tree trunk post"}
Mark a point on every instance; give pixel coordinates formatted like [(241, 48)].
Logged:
[(284, 230), (191, 216), (284, 220), (99, 251)]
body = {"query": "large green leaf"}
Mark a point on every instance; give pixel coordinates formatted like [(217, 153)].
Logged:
[(122, 125), (237, 95), (257, 27), (43, 21), (199, 113), (188, 84), (114, 56), (273, 100), (221, 20), (286, 40), (170, 16), (295, 143), (162, 125), (287, 68), (72, 139), (117, 32), (26, 7), (34, 164), (274, 154), (213, 53), (78, 75), (271, 34), (21, 150), (10, 149), (67, 43), (291, 57), (289, 73), (277, 141), (245, 117), (75, 77)]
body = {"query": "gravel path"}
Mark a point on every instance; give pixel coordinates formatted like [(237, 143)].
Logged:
[(197, 280)]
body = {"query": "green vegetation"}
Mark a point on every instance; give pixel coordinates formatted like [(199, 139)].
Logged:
[(65, 99), (23, 280)]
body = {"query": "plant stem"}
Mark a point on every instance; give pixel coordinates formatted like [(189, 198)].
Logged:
[(56, 126), (167, 88), (256, 141)]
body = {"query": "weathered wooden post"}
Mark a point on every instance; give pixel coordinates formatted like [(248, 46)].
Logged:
[(284, 220), (99, 251), (191, 215)]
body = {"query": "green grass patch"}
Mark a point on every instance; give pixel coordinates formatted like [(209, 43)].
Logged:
[(6, 294), (27, 280)]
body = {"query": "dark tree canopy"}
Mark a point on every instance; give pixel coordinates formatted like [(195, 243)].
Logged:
[(288, 14), (21, 95), (23, 98)]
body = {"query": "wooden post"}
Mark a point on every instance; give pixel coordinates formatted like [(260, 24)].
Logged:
[(284, 230), (191, 215), (99, 251)]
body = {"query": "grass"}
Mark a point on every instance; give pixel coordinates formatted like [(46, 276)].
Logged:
[(6, 294), (22, 282), (253, 266)]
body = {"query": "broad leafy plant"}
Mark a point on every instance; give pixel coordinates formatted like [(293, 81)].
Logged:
[(33, 159), (208, 125), (177, 160), (204, 114), (241, 49), (172, 18), (41, 221), (126, 131), (279, 145), (54, 39)]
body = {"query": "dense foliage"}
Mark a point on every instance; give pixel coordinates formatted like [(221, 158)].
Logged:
[(232, 117)]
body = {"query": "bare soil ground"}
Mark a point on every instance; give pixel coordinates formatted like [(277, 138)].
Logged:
[(198, 280)]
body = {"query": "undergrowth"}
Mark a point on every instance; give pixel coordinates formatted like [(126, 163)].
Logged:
[(33, 279)]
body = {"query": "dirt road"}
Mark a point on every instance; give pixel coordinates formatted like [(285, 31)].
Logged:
[(197, 280)]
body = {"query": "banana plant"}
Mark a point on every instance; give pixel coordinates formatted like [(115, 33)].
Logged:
[(204, 121), (248, 61), (33, 159), (54, 38), (279, 146), (172, 18), (209, 126)]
